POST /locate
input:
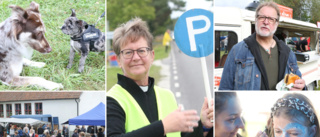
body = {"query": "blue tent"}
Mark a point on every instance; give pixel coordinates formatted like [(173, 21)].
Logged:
[(96, 116)]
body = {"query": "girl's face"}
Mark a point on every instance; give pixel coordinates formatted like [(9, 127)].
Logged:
[(285, 127), (228, 121)]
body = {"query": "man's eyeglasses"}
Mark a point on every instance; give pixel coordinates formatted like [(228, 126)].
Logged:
[(128, 53), (263, 18)]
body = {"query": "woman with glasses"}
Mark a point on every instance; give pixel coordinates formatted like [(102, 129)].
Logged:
[(135, 106)]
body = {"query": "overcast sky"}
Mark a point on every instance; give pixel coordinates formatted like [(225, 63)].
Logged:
[(233, 3), (192, 4)]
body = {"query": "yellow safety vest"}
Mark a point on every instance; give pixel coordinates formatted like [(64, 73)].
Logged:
[(166, 39), (135, 117)]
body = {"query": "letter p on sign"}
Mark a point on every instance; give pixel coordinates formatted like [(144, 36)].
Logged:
[(193, 33)]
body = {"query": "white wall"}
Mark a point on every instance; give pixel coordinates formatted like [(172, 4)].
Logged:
[(90, 99), (64, 109)]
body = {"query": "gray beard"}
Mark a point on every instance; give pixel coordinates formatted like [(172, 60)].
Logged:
[(264, 35)]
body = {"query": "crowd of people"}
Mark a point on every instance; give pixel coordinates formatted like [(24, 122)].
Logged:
[(15, 130)]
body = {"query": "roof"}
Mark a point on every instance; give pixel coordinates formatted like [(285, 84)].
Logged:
[(29, 96)]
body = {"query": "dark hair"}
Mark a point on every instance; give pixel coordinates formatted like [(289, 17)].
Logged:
[(293, 113), (220, 100)]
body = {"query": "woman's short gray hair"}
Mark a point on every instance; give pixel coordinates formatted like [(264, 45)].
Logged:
[(131, 31)]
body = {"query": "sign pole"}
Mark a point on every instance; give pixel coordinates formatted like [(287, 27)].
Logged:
[(205, 76), (194, 36), (206, 79)]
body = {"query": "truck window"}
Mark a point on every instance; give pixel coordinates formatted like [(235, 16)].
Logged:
[(224, 41)]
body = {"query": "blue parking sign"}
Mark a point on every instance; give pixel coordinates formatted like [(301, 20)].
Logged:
[(193, 33)]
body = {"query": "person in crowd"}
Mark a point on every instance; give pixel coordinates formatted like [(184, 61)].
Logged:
[(59, 133), (26, 129), (292, 115), (260, 61), (20, 132), (136, 107), (166, 40), (227, 115), (81, 134), (16, 134), (90, 129), (31, 133), (40, 131), (25, 133), (75, 133), (302, 45), (63, 132), (100, 132), (55, 132), (1, 131), (12, 130), (46, 130), (83, 129), (66, 131)]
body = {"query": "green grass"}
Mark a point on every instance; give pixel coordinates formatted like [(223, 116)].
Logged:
[(53, 14), (159, 52)]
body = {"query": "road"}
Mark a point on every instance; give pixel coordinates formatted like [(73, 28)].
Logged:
[(186, 79)]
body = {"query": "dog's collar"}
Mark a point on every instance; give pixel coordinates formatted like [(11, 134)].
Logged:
[(77, 38)]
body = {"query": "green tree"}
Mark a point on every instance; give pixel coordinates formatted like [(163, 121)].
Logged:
[(163, 12), (305, 10), (120, 11)]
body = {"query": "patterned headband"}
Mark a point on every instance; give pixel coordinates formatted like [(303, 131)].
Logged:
[(296, 104)]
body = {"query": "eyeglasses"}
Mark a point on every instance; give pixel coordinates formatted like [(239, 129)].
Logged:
[(128, 53), (263, 18)]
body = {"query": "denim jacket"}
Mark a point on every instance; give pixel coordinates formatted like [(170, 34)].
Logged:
[(242, 73)]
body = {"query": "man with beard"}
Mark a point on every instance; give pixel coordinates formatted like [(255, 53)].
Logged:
[(260, 61)]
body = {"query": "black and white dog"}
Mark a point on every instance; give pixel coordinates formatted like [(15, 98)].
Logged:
[(77, 30), (20, 34)]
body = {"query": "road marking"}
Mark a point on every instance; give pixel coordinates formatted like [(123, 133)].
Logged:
[(182, 107), (174, 68), (175, 72), (176, 85), (175, 77), (178, 94)]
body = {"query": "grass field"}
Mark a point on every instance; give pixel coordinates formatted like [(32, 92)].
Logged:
[(154, 71), (53, 14)]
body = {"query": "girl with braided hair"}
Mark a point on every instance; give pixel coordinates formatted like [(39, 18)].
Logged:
[(293, 115)]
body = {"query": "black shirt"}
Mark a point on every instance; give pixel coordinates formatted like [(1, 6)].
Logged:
[(303, 44), (147, 101)]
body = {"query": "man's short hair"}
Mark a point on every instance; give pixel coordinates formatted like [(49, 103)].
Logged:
[(131, 31), (269, 4)]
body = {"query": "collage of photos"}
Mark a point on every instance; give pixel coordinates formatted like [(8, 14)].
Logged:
[(159, 68)]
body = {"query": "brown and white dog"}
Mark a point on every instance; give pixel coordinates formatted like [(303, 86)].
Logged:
[(20, 34)]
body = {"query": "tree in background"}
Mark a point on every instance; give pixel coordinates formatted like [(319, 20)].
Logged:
[(120, 11), (163, 21), (305, 10)]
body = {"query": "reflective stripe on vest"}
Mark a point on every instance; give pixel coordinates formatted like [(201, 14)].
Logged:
[(135, 117)]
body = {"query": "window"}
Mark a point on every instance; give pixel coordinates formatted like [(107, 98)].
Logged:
[(224, 41), (27, 108), (1, 110), (17, 109), (9, 110), (38, 108)]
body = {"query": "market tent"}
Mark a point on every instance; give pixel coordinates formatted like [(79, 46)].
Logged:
[(95, 116), (31, 121)]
